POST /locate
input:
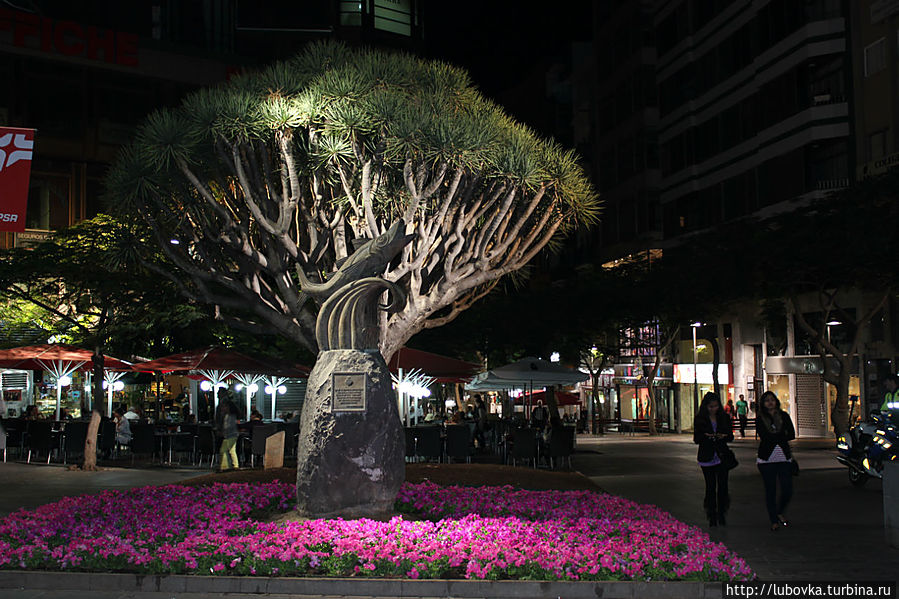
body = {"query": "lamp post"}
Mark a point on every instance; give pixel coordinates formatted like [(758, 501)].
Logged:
[(831, 323), (695, 326)]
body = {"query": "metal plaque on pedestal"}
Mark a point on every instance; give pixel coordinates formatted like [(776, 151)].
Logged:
[(348, 391)]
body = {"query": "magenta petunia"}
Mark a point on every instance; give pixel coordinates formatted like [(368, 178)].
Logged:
[(484, 532)]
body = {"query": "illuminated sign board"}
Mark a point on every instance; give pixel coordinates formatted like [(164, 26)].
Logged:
[(683, 373), (16, 148), (67, 38)]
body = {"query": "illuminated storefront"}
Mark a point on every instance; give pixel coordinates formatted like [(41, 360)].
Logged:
[(693, 383)]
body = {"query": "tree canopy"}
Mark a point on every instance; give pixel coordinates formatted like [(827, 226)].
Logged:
[(289, 168)]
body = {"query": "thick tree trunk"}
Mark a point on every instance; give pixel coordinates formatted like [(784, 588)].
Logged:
[(716, 361), (553, 405), (90, 445), (651, 389), (594, 397), (97, 394), (839, 415)]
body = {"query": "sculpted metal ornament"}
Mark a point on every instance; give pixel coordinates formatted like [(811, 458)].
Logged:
[(348, 317)]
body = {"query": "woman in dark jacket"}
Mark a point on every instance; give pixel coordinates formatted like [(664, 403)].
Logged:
[(712, 430), (775, 430)]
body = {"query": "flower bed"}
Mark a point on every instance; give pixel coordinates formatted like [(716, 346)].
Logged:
[(484, 532)]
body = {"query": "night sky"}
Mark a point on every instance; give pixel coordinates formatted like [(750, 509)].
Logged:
[(503, 43)]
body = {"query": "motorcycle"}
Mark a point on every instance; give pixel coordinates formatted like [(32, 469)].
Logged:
[(866, 447)]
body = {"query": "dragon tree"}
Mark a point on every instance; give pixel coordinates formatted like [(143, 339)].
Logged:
[(258, 190)]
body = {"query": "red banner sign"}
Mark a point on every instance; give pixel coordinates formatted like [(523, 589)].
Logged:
[(16, 146)]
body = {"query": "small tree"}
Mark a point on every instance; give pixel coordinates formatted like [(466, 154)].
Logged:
[(85, 282), (254, 186)]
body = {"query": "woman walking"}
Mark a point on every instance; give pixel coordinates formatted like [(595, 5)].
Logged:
[(229, 435), (712, 430), (775, 430)]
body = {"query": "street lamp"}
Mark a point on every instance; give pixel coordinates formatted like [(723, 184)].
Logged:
[(695, 326), (831, 323)]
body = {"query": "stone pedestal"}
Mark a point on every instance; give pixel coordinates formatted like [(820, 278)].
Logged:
[(350, 452), (274, 451), (891, 502)]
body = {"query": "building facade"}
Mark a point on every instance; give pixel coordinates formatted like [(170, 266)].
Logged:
[(761, 107), (86, 73)]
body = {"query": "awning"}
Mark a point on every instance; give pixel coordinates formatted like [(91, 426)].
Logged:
[(442, 368)]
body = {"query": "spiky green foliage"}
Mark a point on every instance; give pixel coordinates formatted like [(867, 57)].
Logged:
[(281, 169)]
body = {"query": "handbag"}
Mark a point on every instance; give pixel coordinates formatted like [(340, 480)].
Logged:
[(728, 458), (794, 467)]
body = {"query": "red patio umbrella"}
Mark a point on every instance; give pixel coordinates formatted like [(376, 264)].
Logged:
[(222, 359), (58, 360), (442, 368), (563, 398), (218, 364)]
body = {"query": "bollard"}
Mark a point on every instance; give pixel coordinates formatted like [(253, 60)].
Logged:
[(891, 502)]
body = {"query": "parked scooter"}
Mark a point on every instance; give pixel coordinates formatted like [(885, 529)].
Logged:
[(866, 446)]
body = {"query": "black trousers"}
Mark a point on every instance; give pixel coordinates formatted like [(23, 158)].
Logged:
[(781, 472), (717, 498), (742, 425)]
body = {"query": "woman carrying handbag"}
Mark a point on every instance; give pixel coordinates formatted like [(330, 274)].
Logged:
[(712, 430), (775, 459)]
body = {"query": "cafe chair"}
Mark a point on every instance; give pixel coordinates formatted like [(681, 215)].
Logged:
[(40, 438), (143, 440), (524, 446), (561, 443), (259, 434), (206, 444), (106, 441), (428, 443), (458, 442), (73, 439)]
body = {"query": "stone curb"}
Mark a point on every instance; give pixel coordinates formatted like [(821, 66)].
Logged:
[(357, 587)]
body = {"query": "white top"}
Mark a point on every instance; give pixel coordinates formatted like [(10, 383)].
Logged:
[(776, 456), (131, 415)]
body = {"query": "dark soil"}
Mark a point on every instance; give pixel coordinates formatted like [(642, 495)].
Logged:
[(468, 475)]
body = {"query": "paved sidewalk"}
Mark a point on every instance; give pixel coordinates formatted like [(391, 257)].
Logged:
[(836, 531), (31, 485)]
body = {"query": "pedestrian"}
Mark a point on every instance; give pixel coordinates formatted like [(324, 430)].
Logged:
[(742, 414), (730, 410), (480, 421), (712, 430), (229, 436), (539, 416), (891, 398), (775, 459)]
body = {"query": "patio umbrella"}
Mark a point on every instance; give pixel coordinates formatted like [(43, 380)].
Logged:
[(58, 360), (526, 374)]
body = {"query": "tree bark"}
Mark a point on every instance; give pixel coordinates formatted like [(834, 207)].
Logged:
[(552, 403), (90, 444), (716, 361)]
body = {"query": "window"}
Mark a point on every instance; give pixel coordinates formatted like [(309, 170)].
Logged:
[(48, 202), (877, 145), (875, 57)]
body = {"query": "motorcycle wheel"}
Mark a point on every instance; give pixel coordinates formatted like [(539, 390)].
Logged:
[(857, 478)]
